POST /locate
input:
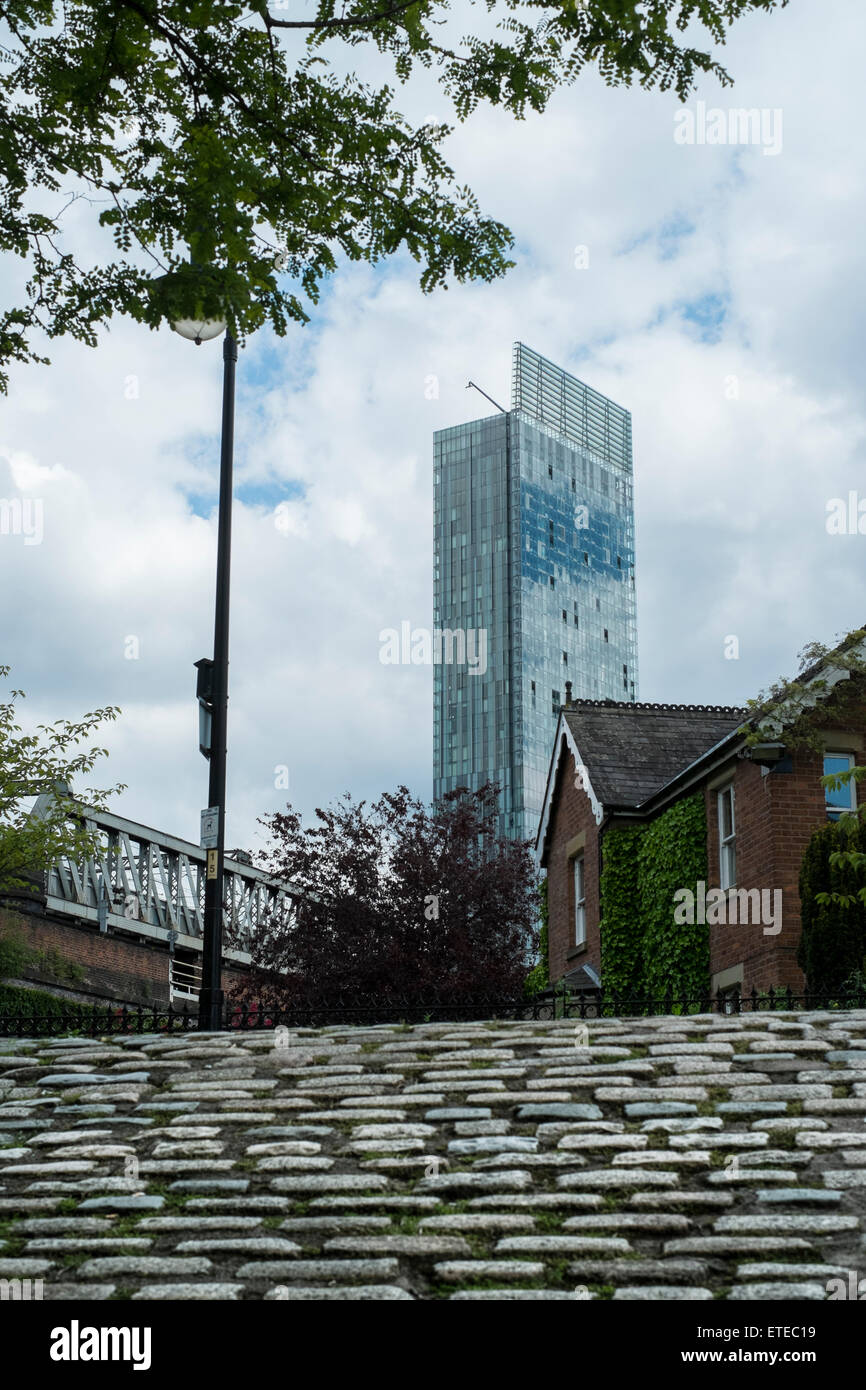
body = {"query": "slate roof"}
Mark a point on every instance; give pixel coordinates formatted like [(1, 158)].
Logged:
[(632, 750)]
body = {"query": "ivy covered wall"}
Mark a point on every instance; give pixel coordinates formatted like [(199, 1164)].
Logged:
[(621, 925), (643, 950)]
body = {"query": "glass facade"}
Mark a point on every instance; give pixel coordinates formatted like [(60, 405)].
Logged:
[(533, 581)]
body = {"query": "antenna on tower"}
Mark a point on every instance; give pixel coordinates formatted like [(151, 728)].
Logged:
[(485, 395)]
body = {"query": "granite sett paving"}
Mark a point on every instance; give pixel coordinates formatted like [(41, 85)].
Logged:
[(680, 1158)]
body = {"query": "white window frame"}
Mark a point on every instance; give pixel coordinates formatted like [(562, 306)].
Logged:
[(838, 811), (727, 843), (184, 977), (579, 879)]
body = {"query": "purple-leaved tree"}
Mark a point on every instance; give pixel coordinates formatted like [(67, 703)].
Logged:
[(397, 898)]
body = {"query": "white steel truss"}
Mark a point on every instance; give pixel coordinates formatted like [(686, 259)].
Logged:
[(153, 885)]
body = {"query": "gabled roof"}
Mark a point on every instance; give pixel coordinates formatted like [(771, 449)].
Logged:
[(628, 753), (631, 750)]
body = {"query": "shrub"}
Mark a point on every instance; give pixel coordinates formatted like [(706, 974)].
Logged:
[(16, 1000), (833, 915)]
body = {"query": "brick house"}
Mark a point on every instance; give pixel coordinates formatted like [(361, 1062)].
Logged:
[(618, 765)]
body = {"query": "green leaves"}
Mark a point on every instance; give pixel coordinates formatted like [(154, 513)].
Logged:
[(43, 764), (183, 123), (673, 855), (643, 949), (799, 706), (538, 978), (622, 925), (833, 904)]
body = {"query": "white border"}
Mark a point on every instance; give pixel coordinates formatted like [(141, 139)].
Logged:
[(562, 728)]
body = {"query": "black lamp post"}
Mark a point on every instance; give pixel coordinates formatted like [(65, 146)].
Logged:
[(213, 686), (210, 1006)]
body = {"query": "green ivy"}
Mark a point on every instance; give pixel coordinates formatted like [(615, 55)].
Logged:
[(644, 951), (622, 934), (673, 855), (51, 962), (539, 976), (833, 916), (16, 957)]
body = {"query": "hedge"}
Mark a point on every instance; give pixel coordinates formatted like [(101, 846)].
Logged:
[(14, 999)]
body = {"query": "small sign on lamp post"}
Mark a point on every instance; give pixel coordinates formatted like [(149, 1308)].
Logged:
[(209, 827)]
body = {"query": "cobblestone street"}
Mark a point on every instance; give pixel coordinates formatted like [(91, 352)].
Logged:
[(671, 1158)]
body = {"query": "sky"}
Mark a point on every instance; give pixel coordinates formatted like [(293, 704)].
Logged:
[(713, 289)]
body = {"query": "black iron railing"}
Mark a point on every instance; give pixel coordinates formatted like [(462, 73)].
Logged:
[(368, 1010)]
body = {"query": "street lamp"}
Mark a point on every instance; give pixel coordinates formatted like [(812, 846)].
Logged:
[(199, 331), (210, 1005)]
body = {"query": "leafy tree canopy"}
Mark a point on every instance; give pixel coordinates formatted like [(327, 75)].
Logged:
[(397, 897), (830, 685), (224, 143), (794, 708), (43, 765)]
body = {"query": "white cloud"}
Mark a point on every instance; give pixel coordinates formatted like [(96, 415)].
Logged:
[(730, 491)]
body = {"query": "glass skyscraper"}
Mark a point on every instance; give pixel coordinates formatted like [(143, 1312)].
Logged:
[(533, 581)]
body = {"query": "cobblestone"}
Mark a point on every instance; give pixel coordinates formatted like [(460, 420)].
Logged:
[(801, 1291), (221, 1167), (654, 1292)]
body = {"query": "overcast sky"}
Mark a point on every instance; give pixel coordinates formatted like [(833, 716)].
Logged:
[(722, 304)]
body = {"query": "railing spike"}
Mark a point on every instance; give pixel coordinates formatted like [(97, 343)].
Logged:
[(308, 1010)]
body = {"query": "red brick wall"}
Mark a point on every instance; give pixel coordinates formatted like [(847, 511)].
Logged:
[(112, 968), (775, 815), (571, 814)]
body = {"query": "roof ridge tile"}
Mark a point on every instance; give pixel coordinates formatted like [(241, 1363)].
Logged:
[(657, 708)]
